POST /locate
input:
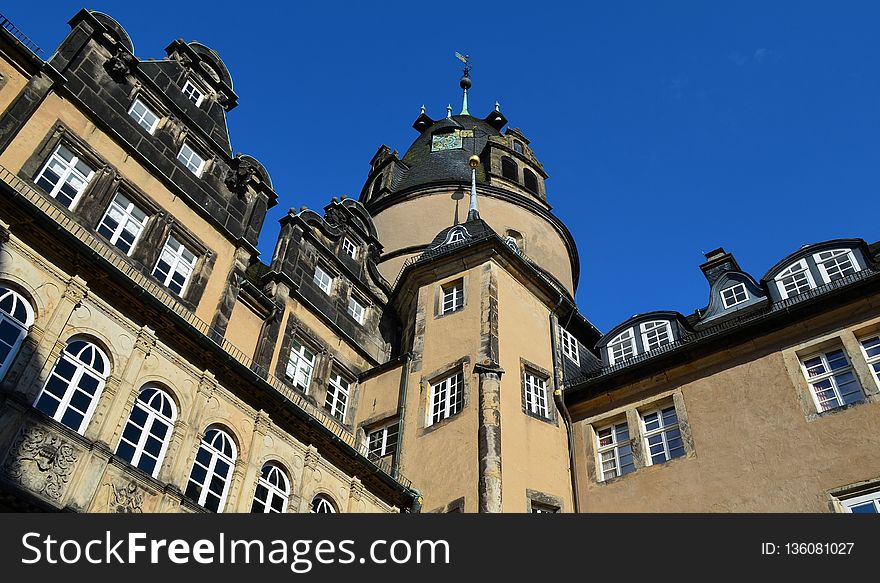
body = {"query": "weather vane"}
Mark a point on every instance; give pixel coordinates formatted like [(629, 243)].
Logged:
[(465, 82), (467, 62)]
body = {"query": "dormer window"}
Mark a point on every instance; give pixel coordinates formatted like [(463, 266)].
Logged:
[(836, 264), (191, 159), (795, 279), (622, 347), (456, 236), (656, 334), (193, 93), (349, 248), (734, 295), (569, 346)]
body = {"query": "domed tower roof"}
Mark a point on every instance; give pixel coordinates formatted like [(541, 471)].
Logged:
[(436, 157)]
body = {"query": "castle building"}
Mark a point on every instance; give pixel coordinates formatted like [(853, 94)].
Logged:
[(418, 349)]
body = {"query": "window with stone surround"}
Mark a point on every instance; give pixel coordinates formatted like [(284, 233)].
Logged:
[(323, 280), (322, 504), (193, 161), (65, 176), (349, 248), (452, 298), (211, 474), (175, 266), (833, 382), (300, 365), (143, 115), (446, 398), (871, 352), (382, 441), (147, 433), (273, 491), (535, 394), (193, 93), (123, 223), (336, 401), (16, 318), (662, 435), (355, 310), (615, 450)]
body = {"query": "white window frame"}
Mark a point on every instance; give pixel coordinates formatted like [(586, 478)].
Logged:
[(129, 216), (356, 310), (652, 327), (535, 394), (569, 345), (849, 503), (338, 392), (191, 90), (164, 415), (299, 366), (452, 297), (349, 248), (227, 455), (20, 317), (142, 118), (663, 431), (186, 155), (793, 271), (733, 292), (81, 369), (378, 440), (446, 398), (68, 170), (322, 505), (627, 341), (836, 256), (870, 350), (610, 451), (831, 376), (275, 483), (177, 264), (323, 280)]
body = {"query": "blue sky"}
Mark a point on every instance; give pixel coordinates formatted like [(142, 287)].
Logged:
[(668, 128)]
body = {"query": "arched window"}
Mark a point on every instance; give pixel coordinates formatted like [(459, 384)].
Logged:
[(656, 334), (509, 169), (209, 480), (148, 431), (323, 505), (71, 392), (273, 491), (530, 181), (622, 347), (16, 318), (794, 279), (377, 185)]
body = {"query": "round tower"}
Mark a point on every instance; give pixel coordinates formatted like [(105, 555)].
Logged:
[(412, 198)]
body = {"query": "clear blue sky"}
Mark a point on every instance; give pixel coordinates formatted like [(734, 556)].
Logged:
[(668, 128)]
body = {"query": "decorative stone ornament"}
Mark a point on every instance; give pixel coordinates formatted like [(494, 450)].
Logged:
[(120, 65), (42, 462), (125, 498)]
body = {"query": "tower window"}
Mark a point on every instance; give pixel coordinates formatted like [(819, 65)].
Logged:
[(833, 382), (447, 398), (509, 169), (193, 93), (65, 177), (453, 297), (144, 116), (569, 345), (535, 394), (530, 180), (517, 147), (734, 295), (191, 159), (349, 248)]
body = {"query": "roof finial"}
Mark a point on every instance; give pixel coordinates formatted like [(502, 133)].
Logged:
[(423, 109), (465, 82), (497, 106), (449, 110)]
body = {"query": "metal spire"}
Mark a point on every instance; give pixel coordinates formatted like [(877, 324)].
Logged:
[(465, 82), (473, 213)]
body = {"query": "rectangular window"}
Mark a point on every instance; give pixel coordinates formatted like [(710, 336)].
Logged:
[(832, 380), (144, 116), (734, 295), (323, 280), (383, 441), (300, 364), (193, 93), (337, 396), (349, 248), (656, 334), (662, 435), (836, 264), (569, 346), (535, 394), (64, 177), (866, 504), (175, 265), (447, 398), (453, 297), (123, 223), (356, 310), (871, 348), (615, 450), (538, 508), (193, 162)]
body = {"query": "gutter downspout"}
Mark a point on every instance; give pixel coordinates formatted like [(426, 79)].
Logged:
[(401, 412), (560, 404)]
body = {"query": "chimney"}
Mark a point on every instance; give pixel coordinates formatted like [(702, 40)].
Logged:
[(718, 262)]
